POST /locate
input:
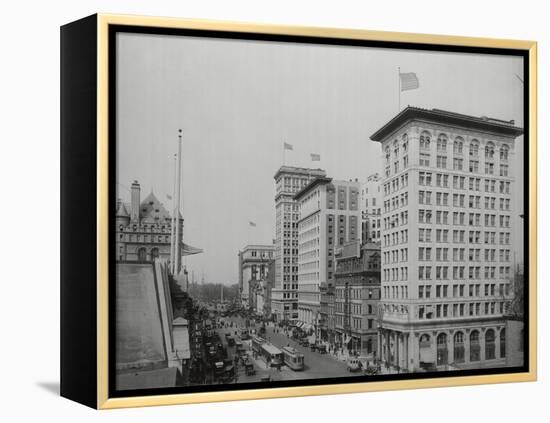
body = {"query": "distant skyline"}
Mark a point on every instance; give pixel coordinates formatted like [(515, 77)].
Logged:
[(237, 102)]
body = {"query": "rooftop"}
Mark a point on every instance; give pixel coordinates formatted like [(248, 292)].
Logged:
[(312, 184), (483, 123), (299, 171)]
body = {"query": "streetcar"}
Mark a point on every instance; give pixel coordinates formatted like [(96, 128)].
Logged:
[(271, 355), (293, 358), (257, 342)]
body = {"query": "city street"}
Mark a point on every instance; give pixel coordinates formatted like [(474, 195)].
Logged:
[(316, 366)]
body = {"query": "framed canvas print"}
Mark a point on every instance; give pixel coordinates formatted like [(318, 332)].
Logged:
[(257, 211)]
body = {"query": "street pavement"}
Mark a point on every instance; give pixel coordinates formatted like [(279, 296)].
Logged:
[(316, 365)]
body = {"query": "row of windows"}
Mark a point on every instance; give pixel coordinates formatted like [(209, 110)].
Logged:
[(459, 236), (459, 182), (460, 310), (474, 254), (474, 272), (396, 184), (397, 237)]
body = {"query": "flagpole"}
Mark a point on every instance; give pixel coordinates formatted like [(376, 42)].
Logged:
[(173, 228), (178, 193), (398, 89), (284, 162)]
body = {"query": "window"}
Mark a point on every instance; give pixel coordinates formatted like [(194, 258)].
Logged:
[(490, 151), (441, 162), (458, 164), (502, 341), (474, 148), (442, 143), (458, 146), (504, 152), (442, 353), (458, 353), (425, 140), (490, 344), (424, 159), (475, 347)]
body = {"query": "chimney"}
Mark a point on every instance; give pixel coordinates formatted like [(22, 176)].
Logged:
[(134, 214)]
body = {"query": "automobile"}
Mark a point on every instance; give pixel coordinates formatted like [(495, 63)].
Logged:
[(322, 349), (371, 370), (353, 365), (219, 368), (304, 343), (265, 379), (249, 368)]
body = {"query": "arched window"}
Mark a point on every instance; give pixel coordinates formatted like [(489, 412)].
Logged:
[(142, 254), (490, 150), (405, 140), (458, 146), (388, 154), (504, 152), (474, 148), (475, 348), (502, 340), (458, 355), (425, 140), (154, 253), (442, 143), (490, 344), (396, 148), (442, 351)]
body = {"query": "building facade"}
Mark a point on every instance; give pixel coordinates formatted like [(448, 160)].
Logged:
[(329, 216), (253, 267), (357, 294), (262, 292), (288, 181), (446, 238), (143, 228), (371, 208)]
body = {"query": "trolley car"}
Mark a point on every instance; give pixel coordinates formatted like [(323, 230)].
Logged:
[(293, 358)]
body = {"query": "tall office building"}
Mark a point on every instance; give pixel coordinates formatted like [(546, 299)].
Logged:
[(371, 208), (284, 297), (329, 217), (446, 239)]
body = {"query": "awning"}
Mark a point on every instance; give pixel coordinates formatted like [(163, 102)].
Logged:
[(299, 325)]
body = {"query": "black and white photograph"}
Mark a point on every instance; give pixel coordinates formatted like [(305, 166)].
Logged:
[(293, 211)]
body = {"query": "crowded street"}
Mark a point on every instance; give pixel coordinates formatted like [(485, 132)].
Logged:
[(316, 364)]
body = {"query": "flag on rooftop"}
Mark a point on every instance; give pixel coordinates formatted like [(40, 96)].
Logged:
[(409, 81), (288, 146), (252, 224), (315, 157), (168, 196)]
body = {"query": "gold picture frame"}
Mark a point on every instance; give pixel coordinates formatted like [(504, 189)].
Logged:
[(102, 22)]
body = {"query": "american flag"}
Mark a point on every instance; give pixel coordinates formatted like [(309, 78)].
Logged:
[(252, 224), (315, 157), (409, 81), (288, 146)]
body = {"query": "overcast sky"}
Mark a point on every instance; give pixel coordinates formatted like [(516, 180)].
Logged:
[(238, 101)]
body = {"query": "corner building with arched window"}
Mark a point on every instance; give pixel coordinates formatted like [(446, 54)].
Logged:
[(144, 229), (446, 239)]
